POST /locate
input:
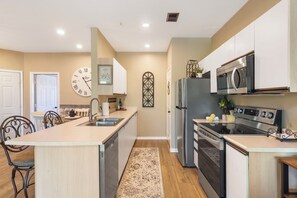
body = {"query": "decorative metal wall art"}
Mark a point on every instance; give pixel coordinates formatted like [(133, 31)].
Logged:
[(191, 67), (148, 89)]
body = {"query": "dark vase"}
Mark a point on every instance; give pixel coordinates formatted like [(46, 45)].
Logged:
[(72, 113)]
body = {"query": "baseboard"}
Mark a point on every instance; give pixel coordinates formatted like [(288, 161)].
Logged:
[(173, 150), (152, 138)]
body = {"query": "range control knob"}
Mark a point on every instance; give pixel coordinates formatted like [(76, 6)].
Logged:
[(240, 110), (270, 115), (263, 114)]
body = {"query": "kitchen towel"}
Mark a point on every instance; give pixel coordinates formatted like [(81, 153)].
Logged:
[(105, 108)]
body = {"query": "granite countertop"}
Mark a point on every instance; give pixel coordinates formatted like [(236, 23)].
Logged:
[(256, 143), (71, 134)]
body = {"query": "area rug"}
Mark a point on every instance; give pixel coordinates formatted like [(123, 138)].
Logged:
[(142, 177)]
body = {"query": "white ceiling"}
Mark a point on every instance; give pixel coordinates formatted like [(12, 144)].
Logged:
[(30, 25)]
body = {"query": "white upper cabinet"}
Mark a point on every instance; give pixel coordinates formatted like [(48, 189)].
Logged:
[(226, 52), (119, 78), (275, 47), (208, 63), (245, 41), (214, 60)]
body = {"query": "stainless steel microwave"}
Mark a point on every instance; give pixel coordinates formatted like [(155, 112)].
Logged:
[(237, 76)]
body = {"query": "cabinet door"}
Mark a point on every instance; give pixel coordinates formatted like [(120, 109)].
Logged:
[(245, 40), (226, 52), (209, 65), (123, 150), (236, 173), (271, 47), (116, 77), (124, 81), (127, 137)]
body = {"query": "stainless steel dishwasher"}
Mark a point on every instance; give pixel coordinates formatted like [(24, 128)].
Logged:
[(109, 167)]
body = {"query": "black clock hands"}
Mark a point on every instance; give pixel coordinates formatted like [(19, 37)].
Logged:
[(87, 83)]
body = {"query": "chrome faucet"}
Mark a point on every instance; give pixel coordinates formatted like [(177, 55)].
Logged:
[(91, 115)]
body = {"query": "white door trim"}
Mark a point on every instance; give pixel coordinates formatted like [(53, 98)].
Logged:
[(21, 86), (32, 89)]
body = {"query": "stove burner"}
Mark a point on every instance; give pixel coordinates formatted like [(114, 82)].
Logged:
[(220, 129)]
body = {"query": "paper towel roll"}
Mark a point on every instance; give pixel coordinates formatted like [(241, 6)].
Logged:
[(105, 108)]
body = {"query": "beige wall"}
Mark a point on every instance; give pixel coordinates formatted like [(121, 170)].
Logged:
[(248, 13), (151, 121), (286, 102), (179, 52), (100, 48), (11, 60), (63, 63)]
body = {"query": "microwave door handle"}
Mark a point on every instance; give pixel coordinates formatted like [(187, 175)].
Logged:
[(232, 78)]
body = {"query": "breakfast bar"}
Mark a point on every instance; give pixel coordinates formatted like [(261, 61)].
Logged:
[(67, 156)]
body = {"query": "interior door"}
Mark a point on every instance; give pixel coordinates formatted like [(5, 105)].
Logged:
[(45, 92), (10, 94), (169, 114)]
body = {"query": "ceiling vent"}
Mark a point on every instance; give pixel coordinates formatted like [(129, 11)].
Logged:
[(172, 17)]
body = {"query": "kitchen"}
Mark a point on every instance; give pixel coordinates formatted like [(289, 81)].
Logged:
[(186, 48)]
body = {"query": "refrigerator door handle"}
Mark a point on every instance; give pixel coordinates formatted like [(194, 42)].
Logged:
[(184, 127)]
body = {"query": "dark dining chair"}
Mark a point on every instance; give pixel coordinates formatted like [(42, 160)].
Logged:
[(51, 118), (13, 127)]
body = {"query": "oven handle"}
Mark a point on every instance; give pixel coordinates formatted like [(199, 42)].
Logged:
[(232, 78), (216, 143)]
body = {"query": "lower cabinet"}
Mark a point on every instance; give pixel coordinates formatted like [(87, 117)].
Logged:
[(127, 137), (255, 174), (236, 173)]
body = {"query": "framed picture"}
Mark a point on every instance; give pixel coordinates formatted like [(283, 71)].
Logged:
[(105, 74)]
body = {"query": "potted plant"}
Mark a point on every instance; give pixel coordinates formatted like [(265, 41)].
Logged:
[(199, 71), (227, 106)]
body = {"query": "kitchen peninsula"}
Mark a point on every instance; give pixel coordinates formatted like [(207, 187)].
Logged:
[(67, 155)]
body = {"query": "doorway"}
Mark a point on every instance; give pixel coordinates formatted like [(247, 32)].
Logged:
[(168, 96), (11, 93), (44, 88)]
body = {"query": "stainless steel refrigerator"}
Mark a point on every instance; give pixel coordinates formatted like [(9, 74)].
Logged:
[(192, 100)]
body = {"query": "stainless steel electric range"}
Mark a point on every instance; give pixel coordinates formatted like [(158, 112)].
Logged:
[(211, 144)]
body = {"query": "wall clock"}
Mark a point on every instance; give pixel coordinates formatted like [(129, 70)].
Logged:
[(81, 81)]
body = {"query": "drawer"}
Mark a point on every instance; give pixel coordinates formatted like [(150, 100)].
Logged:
[(195, 127), (195, 136), (196, 158), (196, 145)]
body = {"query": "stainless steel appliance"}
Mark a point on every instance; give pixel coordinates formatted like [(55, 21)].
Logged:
[(108, 171), (211, 145), (237, 76), (193, 100)]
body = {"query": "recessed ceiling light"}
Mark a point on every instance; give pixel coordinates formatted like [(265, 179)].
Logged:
[(145, 25), (78, 46), (60, 32), (147, 46)]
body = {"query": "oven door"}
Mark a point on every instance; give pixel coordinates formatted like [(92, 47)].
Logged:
[(211, 160)]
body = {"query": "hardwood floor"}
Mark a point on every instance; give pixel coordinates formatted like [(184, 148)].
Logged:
[(6, 189), (178, 182)]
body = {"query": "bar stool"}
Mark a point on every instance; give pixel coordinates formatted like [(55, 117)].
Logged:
[(13, 127), (51, 118)]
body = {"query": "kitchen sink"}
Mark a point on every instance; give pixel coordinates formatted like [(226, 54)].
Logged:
[(103, 122)]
